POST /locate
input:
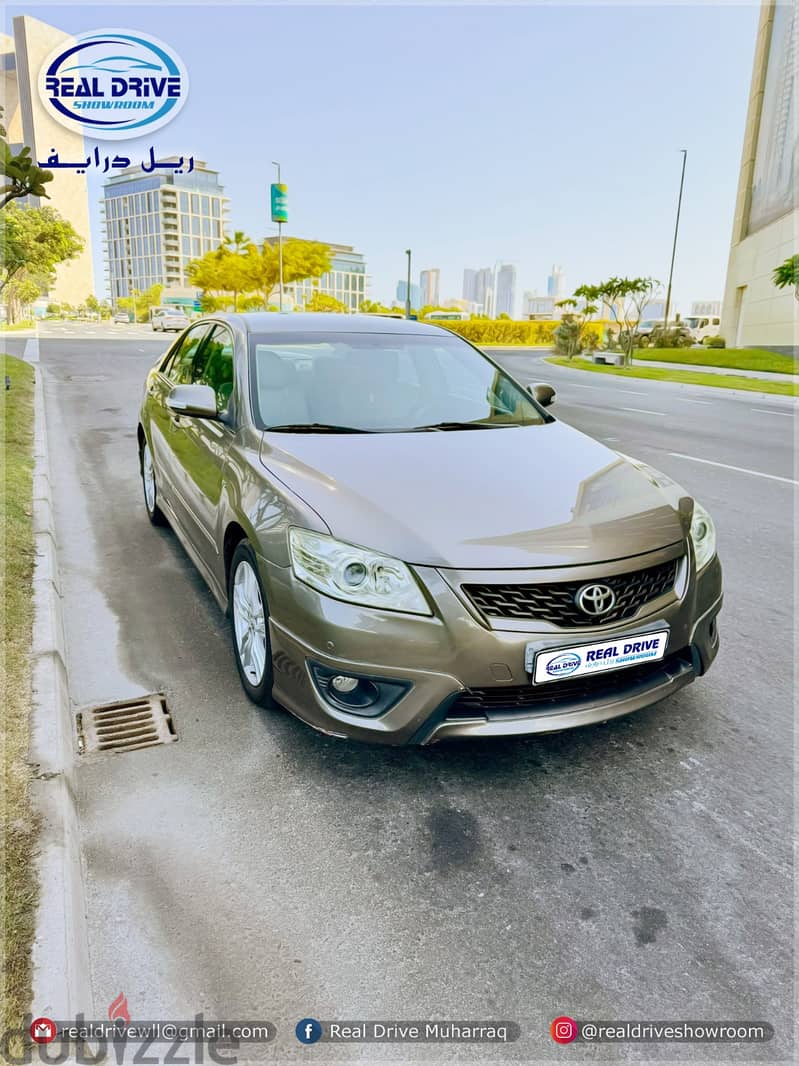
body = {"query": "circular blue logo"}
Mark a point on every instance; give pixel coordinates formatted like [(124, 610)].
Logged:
[(113, 84), (308, 1031), (563, 665)]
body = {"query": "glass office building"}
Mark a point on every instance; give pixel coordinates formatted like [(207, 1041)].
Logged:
[(156, 223), (346, 279)]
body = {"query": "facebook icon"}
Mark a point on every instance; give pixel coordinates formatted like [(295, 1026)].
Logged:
[(308, 1031)]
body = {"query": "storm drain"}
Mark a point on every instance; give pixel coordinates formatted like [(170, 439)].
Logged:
[(126, 725)]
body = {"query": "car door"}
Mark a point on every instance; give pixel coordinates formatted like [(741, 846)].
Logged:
[(167, 429), (205, 443)]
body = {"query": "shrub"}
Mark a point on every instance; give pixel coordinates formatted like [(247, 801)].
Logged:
[(715, 342), (567, 337), (677, 336)]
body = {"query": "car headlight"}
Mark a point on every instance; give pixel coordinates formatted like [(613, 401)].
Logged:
[(354, 574), (703, 534)]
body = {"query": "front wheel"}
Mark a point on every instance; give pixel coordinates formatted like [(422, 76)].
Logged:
[(154, 512), (250, 616)]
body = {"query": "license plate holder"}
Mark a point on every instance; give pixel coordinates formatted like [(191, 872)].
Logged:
[(595, 657)]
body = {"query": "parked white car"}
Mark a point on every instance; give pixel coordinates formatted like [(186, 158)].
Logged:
[(168, 318), (701, 326)]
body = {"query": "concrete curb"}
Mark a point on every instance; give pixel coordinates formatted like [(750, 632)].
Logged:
[(61, 973), (710, 390)]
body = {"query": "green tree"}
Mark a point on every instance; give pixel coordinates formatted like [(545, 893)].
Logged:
[(787, 274), (301, 259), (139, 303), (22, 176), (625, 299), (92, 303), (321, 301), (374, 307), (33, 241), (573, 335), (225, 269)]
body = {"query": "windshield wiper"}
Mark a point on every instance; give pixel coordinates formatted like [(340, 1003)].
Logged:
[(314, 427), (465, 425)]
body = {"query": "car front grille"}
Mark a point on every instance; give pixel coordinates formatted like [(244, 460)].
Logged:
[(504, 702), (555, 601)]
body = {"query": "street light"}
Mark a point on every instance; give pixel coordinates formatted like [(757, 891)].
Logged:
[(408, 288), (674, 245), (279, 242)]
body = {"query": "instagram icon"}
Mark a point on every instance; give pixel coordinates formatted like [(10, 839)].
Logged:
[(563, 1029)]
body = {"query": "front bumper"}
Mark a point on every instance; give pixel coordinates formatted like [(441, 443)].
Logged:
[(463, 675)]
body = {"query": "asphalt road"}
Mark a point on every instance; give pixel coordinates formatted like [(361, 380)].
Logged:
[(255, 869)]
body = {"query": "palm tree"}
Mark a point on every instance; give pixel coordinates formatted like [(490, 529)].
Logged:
[(787, 273)]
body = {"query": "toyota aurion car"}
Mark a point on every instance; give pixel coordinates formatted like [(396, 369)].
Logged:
[(165, 319), (409, 545)]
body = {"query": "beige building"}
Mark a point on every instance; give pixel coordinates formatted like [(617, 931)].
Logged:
[(26, 122), (766, 225)]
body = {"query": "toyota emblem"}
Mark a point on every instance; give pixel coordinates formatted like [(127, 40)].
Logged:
[(595, 600)]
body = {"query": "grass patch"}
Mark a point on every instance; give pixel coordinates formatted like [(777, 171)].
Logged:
[(18, 889), (6, 328), (685, 377), (735, 358)]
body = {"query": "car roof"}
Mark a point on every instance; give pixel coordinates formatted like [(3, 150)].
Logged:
[(324, 322)]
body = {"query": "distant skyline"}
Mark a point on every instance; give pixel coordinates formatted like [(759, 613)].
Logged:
[(536, 134)]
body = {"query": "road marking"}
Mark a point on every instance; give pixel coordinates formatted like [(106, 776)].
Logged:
[(574, 386), (641, 411), (615, 440), (767, 411), (705, 403), (739, 469), (632, 392), (31, 353)]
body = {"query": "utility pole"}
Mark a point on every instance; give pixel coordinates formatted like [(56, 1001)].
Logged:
[(674, 245), (279, 242), (408, 286)]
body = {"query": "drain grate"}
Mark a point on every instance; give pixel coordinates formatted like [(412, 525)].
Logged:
[(126, 725)]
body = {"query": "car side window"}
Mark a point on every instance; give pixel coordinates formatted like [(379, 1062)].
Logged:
[(214, 365), (179, 367)]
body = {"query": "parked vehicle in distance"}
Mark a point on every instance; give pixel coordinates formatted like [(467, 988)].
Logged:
[(474, 568), (702, 326), (121, 316), (168, 318)]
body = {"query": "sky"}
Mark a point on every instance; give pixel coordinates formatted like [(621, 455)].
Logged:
[(527, 134)]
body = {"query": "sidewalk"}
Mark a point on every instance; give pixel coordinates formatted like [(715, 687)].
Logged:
[(761, 375)]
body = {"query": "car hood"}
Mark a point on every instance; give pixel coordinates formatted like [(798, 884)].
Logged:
[(524, 496)]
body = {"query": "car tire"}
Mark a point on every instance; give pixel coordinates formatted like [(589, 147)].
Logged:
[(149, 485), (249, 617)]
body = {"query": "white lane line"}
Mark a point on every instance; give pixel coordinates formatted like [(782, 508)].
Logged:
[(739, 469), (585, 386), (768, 411), (615, 440), (632, 392), (705, 403), (31, 353), (641, 411)]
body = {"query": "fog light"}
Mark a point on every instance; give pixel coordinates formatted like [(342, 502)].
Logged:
[(342, 683)]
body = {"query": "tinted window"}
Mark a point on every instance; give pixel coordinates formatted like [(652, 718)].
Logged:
[(382, 381), (214, 365), (179, 367)]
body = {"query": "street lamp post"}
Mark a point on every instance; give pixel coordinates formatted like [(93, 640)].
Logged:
[(674, 245), (279, 243), (408, 286)]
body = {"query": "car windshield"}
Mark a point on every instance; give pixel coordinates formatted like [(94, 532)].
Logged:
[(691, 323), (381, 382)]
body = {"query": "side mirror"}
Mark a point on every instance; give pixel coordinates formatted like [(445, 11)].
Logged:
[(541, 393), (197, 401)]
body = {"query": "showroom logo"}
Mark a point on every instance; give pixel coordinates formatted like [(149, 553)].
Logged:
[(113, 84)]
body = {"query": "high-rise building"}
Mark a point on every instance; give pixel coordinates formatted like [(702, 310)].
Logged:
[(477, 285), (429, 284), (469, 279), (706, 307), (556, 283), (155, 224), (766, 220), (345, 281), (505, 303), (27, 122), (402, 294)]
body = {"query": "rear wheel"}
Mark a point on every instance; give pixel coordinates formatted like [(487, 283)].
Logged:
[(249, 615), (154, 512)]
